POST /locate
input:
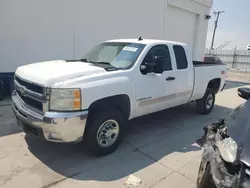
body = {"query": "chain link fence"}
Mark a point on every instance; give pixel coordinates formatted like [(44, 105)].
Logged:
[(235, 59)]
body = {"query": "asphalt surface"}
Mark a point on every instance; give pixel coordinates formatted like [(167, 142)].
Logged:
[(159, 151)]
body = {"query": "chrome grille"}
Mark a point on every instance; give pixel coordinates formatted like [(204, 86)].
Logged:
[(30, 86), (33, 95)]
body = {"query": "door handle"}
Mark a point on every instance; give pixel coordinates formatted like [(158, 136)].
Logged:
[(170, 78)]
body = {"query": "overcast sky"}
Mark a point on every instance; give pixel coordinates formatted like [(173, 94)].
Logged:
[(234, 24)]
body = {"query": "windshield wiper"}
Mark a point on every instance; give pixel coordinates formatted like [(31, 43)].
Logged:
[(75, 60), (100, 62), (108, 68)]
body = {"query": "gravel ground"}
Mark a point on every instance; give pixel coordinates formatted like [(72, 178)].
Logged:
[(238, 77)]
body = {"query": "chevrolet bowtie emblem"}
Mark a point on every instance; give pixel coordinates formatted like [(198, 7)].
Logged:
[(22, 91)]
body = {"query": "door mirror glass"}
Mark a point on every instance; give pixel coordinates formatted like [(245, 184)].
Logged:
[(147, 65), (144, 69), (158, 64), (147, 68), (244, 93)]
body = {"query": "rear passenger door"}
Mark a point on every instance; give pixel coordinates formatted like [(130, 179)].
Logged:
[(183, 73)]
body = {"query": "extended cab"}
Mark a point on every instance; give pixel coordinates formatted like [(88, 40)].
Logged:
[(91, 98)]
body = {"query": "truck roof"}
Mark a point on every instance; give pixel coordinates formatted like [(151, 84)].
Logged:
[(146, 41)]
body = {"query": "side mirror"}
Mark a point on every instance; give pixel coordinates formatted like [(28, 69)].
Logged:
[(244, 93), (159, 64), (144, 69)]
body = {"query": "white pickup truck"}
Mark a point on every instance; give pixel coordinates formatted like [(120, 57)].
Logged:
[(91, 98)]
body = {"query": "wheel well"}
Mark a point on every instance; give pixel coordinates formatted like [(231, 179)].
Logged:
[(214, 84), (119, 102)]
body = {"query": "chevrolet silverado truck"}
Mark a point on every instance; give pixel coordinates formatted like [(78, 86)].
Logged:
[(92, 98)]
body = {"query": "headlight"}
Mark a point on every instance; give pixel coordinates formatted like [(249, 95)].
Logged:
[(228, 149), (65, 99)]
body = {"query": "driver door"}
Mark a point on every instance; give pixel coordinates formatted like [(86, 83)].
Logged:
[(153, 91)]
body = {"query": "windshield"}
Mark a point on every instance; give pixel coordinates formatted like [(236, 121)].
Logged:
[(116, 54)]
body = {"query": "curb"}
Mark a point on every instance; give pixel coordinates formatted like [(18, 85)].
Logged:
[(238, 82), (239, 71)]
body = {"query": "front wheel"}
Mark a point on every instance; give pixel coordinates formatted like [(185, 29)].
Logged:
[(105, 132), (206, 103)]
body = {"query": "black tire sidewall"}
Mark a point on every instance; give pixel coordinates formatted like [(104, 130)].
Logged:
[(94, 124), (201, 104), (209, 93)]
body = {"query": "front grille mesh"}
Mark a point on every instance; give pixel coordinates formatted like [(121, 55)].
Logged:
[(30, 93), (30, 86), (31, 102)]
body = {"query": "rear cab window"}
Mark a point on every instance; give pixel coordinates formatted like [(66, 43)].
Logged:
[(180, 57)]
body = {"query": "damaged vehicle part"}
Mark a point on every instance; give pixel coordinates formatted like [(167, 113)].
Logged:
[(226, 157)]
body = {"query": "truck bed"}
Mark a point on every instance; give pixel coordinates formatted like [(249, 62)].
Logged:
[(203, 74)]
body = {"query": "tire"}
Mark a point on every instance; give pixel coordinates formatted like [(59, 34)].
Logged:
[(205, 179), (202, 105), (97, 125)]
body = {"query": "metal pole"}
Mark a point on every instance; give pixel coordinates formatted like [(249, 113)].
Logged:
[(164, 19), (234, 58), (215, 26), (74, 42)]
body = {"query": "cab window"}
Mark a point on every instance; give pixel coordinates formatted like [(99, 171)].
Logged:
[(180, 56), (159, 50)]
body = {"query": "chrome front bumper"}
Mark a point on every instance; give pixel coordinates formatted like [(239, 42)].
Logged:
[(53, 126)]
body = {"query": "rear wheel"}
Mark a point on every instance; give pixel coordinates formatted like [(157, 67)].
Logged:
[(205, 179), (206, 103), (105, 132)]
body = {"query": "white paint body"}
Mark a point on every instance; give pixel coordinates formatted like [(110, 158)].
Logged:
[(96, 83), (34, 31)]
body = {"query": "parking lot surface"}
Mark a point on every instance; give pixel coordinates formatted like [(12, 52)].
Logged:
[(159, 151)]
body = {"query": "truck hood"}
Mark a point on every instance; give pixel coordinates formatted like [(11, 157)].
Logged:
[(238, 123), (51, 72)]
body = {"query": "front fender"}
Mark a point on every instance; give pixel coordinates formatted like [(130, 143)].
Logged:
[(96, 90)]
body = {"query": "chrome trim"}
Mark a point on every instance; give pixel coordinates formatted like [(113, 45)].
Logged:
[(28, 92), (30, 107), (247, 172), (29, 81), (55, 126), (151, 101), (42, 98)]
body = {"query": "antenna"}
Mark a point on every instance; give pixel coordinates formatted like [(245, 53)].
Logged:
[(140, 38)]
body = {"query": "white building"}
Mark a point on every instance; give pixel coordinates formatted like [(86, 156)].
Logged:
[(34, 31)]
